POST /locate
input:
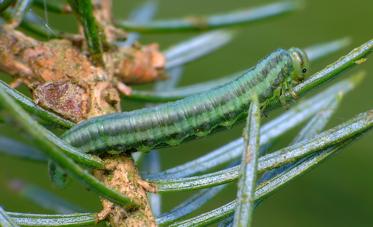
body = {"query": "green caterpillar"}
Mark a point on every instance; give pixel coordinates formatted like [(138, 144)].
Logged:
[(195, 116)]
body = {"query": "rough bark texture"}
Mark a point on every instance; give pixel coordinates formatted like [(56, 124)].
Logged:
[(143, 64), (124, 177), (57, 70), (62, 79)]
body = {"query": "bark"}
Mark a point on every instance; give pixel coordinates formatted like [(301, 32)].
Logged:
[(124, 177), (62, 79)]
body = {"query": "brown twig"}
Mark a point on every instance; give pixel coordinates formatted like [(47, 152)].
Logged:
[(124, 177), (64, 80)]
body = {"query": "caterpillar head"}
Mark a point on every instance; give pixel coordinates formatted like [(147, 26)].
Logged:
[(300, 63)]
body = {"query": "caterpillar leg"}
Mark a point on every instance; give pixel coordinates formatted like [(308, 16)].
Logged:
[(269, 101), (266, 103), (284, 88), (289, 87)]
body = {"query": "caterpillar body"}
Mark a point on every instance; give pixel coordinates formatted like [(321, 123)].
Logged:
[(198, 115)]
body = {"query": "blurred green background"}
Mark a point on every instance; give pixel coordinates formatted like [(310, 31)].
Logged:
[(339, 192)]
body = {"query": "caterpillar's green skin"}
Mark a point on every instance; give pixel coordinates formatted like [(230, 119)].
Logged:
[(195, 116)]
